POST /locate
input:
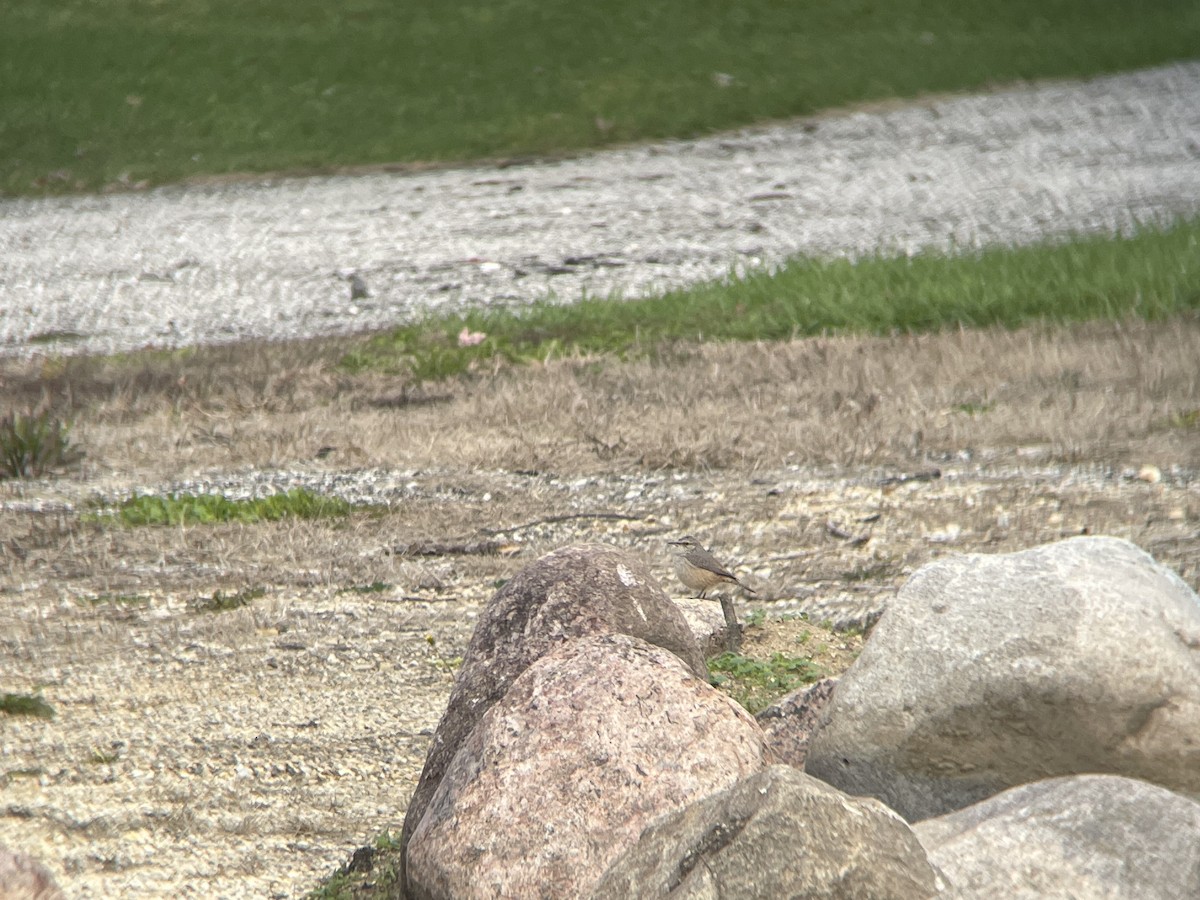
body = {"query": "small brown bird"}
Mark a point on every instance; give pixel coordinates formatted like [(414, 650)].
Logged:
[(698, 569)]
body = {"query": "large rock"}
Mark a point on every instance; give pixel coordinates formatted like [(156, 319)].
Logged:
[(790, 722), (1087, 837), (561, 775), (778, 833), (992, 671), (572, 592), (24, 878)]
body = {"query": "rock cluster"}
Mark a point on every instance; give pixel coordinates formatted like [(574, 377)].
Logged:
[(1025, 725), (574, 592)]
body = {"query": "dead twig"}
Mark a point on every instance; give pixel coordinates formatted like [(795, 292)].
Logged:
[(733, 629), (565, 517), (856, 540), (784, 557), (896, 480), (604, 449), (461, 548)]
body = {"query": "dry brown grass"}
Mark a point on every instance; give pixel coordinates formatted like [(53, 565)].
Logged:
[(1096, 393), (1112, 395)]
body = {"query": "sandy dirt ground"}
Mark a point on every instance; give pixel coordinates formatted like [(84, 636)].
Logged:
[(248, 752)]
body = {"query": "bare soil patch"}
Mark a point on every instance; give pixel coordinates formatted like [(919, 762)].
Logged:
[(248, 752)]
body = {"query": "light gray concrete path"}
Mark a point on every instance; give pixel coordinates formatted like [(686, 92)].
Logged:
[(272, 259)]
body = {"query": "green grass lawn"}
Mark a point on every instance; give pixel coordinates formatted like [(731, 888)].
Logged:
[(99, 92), (1153, 274)]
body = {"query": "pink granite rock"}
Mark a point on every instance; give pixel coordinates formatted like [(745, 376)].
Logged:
[(24, 878), (560, 776), (574, 591)]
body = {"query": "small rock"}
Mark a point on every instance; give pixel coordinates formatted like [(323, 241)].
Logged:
[(1149, 474), (707, 623), (358, 288)]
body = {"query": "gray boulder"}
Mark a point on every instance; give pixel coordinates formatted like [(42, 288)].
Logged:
[(1086, 837), (561, 775), (777, 833), (992, 671), (575, 591), (24, 878)]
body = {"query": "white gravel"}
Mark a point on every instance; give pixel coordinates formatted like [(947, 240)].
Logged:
[(272, 259)]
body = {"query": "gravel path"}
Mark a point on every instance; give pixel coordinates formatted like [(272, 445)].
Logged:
[(272, 259)]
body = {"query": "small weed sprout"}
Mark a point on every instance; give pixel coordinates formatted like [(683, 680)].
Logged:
[(99, 757), (118, 599), (375, 587), (34, 444), (1187, 419), (755, 618), (32, 772), (973, 408), (26, 705), (447, 665), (221, 602), (366, 864), (385, 840)]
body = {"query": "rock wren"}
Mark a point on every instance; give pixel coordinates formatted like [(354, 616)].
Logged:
[(698, 569)]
